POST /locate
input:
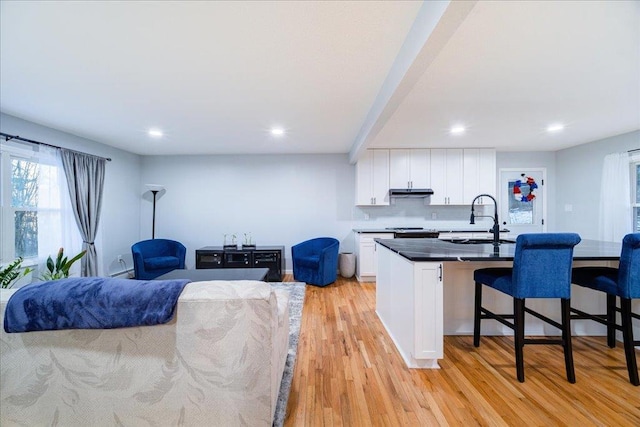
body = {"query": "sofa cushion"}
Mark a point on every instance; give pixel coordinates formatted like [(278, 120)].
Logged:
[(159, 262)]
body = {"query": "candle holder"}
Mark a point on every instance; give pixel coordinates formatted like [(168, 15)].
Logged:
[(232, 245), (248, 242)]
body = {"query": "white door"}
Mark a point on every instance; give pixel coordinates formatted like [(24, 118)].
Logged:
[(521, 196)]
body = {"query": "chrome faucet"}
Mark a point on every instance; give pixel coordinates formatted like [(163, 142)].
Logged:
[(496, 227)]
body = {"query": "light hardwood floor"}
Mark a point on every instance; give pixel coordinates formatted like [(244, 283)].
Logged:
[(349, 373)]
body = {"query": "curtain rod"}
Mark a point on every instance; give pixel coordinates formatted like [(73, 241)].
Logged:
[(8, 137)]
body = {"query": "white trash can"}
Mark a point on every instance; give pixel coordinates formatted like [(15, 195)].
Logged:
[(347, 264)]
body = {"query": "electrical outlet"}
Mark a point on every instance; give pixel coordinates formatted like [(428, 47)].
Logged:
[(434, 215), (119, 258), (366, 216)]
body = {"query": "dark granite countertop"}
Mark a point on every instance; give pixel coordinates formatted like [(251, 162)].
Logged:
[(441, 250), (371, 230), (446, 230)]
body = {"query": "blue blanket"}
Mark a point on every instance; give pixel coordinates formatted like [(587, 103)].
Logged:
[(91, 303)]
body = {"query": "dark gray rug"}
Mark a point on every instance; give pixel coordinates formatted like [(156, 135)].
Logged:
[(296, 301)]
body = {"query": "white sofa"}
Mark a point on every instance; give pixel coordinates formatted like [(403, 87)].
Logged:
[(219, 362)]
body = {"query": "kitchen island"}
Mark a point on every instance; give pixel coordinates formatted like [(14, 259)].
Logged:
[(424, 290)]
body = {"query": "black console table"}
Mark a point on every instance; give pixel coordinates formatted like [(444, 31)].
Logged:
[(271, 257)]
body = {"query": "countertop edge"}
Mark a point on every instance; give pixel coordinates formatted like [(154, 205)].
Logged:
[(464, 255)]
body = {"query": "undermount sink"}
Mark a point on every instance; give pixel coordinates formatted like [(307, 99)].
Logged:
[(478, 241)]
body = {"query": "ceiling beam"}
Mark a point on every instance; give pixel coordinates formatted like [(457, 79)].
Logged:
[(435, 23)]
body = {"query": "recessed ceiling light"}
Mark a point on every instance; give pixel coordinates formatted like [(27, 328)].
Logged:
[(557, 127), (277, 131), (457, 130), (156, 133)]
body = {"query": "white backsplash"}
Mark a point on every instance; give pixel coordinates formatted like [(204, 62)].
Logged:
[(415, 213)]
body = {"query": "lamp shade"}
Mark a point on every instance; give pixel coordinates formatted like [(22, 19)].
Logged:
[(154, 187)]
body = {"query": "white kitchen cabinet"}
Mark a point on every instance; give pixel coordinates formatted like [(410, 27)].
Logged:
[(446, 176), (479, 174), (366, 261), (409, 302), (372, 178), (409, 168)]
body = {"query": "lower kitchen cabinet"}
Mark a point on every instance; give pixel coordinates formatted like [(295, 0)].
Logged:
[(366, 263)]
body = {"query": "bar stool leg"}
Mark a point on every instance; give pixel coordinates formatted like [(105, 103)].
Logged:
[(566, 339), (611, 320), (476, 315), (518, 320), (627, 335)]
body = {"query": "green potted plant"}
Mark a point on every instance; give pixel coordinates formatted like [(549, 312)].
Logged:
[(11, 273), (60, 269)]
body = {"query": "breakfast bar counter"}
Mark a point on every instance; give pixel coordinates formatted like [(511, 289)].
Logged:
[(425, 289), (471, 250)]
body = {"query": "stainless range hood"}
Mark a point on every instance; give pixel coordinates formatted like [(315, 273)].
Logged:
[(410, 192)]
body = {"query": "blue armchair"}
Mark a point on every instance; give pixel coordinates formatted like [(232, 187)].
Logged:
[(315, 261), (623, 283), (153, 258), (541, 269)]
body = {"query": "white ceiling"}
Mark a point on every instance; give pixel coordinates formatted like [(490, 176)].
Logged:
[(215, 76)]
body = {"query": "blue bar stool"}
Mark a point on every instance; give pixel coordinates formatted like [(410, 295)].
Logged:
[(623, 283), (541, 269)]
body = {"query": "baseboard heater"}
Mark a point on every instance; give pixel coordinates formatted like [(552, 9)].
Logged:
[(123, 274)]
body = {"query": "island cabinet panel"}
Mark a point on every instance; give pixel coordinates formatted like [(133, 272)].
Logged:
[(479, 174), (446, 176), (384, 293), (372, 178), (409, 304), (409, 168), (428, 309)]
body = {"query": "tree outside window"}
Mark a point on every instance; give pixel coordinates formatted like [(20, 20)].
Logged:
[(24, 201)]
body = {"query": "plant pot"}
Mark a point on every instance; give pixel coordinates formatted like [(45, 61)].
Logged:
[(347, 264)]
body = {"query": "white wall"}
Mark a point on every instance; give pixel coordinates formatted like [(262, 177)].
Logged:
[(119, 221), (579, 179), (279, 199)]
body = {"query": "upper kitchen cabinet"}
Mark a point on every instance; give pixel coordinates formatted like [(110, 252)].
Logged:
[(372, 178), (446, 176), (409, 168), (479, 174)]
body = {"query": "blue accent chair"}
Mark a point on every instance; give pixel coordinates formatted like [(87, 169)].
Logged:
[(624, 283), (315, 261), (541, 269), (155, 257)]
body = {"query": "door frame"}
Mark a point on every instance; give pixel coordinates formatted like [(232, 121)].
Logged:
[(542, 188)]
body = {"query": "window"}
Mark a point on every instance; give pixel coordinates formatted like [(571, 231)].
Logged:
[(24, 206), (519, 212), (32, 206)]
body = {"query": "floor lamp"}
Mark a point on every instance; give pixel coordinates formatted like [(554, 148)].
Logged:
[(155, 189)]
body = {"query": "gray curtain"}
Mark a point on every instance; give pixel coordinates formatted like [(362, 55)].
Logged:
[(85, 178)]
